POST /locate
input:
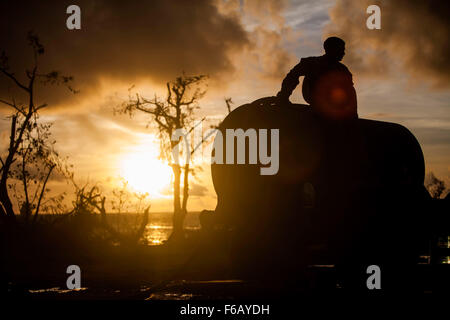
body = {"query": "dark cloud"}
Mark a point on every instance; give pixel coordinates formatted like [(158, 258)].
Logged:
[(414, 34), (268, 34), (123, 40)]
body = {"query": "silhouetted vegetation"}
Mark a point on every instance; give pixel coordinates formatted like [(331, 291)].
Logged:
[(435, 186), (90, 202), (30, 158), (79, 233), (174, 114)]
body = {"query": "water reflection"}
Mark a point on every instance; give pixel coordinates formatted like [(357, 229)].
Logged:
[(157, 234), (56, 290), (160, 226)]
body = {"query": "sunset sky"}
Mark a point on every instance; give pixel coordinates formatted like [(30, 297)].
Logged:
[(401, 72)]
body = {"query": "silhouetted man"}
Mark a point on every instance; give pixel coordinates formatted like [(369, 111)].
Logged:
[(327, 86)]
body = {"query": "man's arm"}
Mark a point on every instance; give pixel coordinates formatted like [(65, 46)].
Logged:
[(291, 81)]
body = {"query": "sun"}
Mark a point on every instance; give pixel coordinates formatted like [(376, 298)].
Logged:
[(145, 172)]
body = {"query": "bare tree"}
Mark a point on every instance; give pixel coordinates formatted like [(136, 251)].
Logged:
[(28, 140), (172, 114), (228, 102)]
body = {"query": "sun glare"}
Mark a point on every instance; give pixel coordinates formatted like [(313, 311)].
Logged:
[(145, 172)]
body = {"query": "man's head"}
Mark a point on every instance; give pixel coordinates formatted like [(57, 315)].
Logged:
[(334, 48)]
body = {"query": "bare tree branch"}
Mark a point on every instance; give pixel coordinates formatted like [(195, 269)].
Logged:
[(12, 77)]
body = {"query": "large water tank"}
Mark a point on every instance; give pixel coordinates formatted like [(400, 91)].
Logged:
[(344, 191)]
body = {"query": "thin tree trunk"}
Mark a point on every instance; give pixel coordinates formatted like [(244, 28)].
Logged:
[(41, 196), (185, 188), (4, 197), (25, 188), (179, 218), (6, 202), (177, 214)]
